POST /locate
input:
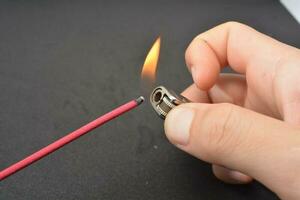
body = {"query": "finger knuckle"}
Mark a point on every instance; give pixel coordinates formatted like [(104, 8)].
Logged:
[(234, 24)]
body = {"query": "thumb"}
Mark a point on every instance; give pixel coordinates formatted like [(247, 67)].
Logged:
[(228, 135)]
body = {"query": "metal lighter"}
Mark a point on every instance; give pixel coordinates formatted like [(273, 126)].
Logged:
[(164, 100)]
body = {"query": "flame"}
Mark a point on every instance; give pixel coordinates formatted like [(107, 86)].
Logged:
[(150, 64)]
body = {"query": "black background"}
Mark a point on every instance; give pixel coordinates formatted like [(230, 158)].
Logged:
[(63, 63)]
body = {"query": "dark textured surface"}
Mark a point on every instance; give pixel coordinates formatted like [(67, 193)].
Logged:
[(63, 63)]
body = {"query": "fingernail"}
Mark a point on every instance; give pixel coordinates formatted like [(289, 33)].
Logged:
[(178, 123), (239, 177), (194, 73)]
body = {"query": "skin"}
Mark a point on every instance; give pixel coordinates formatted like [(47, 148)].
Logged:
[(246, 125)]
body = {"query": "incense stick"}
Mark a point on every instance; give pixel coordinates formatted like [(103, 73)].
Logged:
[(70, 137)]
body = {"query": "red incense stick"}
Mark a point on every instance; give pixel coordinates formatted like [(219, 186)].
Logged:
[(70, 137)]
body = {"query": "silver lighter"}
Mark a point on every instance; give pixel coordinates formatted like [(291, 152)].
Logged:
[(163, 100)]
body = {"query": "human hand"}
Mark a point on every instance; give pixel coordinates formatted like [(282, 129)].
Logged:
[(253, 124)]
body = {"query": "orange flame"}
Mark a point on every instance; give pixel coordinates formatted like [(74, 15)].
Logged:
[(150, 64)]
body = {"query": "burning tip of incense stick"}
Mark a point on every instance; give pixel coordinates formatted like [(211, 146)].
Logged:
[(140, 100)]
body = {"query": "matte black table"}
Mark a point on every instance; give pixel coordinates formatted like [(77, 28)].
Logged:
[(63, 63)]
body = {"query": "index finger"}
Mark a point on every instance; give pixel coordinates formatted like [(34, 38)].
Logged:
[(234, 44)]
